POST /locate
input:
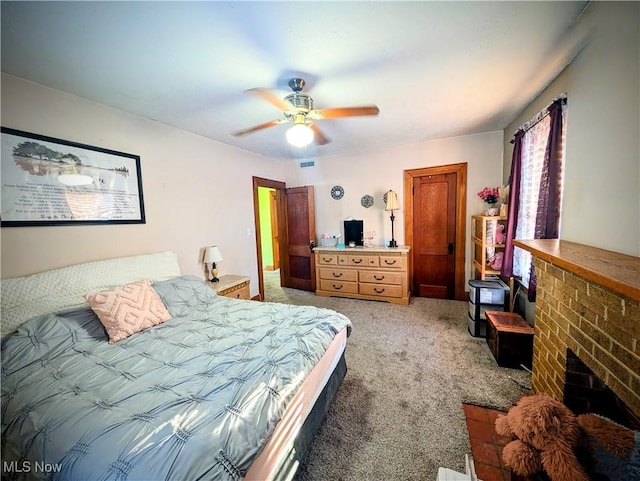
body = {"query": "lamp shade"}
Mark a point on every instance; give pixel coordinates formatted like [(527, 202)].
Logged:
[(300, 135), (212, 254), (392, 201)]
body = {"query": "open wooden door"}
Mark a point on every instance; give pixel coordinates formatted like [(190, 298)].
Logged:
[(297, 238)]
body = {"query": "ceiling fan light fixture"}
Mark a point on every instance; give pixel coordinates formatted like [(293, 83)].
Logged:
[(300, 135)]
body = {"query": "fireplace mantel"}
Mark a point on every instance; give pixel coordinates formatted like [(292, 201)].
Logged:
[(588, 303), (617, 272)]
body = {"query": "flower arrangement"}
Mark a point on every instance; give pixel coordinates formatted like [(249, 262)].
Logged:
[(490, 195)]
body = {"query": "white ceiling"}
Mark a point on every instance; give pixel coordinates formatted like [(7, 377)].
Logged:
[(435, 69)]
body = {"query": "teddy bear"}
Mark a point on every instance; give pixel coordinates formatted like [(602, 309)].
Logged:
[(546, 435)]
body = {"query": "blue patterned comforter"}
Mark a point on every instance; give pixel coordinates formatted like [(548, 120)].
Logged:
[(194, 398)]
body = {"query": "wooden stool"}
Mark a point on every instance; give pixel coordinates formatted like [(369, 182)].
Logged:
[(510, 339)]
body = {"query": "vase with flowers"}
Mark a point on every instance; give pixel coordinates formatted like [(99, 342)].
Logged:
[(490, 195)]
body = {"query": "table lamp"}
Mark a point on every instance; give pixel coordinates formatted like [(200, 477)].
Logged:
[(392, 204), (212, 255)]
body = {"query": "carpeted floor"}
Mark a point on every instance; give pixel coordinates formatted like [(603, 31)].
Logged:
[(399, 413)]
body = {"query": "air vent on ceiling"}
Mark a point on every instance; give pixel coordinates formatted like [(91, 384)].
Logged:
[(309, 163)]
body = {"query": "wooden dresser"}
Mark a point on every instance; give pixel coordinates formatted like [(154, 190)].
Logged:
[(232, 286), (372, 273)]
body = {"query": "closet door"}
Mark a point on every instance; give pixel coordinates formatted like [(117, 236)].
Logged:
[(435, 229)]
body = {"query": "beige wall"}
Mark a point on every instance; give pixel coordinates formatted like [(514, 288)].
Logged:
[(197, 192), (374, 173), (602, 171)]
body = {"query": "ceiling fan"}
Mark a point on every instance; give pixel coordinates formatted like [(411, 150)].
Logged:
[(298, 110)]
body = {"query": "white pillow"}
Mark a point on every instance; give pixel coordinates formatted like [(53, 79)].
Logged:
[(24, 298)]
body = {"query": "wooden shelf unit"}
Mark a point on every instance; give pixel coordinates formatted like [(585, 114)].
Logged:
[(480, 245)]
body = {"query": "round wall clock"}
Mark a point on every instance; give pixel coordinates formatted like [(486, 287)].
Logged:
[(366, 201), (337, 192)]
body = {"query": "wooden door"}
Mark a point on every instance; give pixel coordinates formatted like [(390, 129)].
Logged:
[(434, 235), (275, 240), (297, 235)]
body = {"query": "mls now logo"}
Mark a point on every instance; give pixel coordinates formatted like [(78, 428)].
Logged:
[(28, 467)]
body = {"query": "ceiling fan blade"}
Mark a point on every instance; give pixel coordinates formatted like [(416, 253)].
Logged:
[(270, 97), (321, 114), (266, 125), (318, 137)]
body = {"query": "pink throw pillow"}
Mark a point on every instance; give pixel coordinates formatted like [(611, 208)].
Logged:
[(125, 310)]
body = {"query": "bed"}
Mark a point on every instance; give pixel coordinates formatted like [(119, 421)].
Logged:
[(224, 389)]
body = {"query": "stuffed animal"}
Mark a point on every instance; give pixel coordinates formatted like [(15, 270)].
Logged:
[(546, 433), (614, 450), (499, 234), (496, 262)]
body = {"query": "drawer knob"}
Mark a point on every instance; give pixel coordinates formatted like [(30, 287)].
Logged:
[(324, 259), (356, 261), (389, 263), (337, 288), (379, 291), (337, 274), (378, 278)]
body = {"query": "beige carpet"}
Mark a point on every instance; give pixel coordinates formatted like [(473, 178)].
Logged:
[(398, 415)]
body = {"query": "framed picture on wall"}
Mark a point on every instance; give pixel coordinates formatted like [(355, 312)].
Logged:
[(47, 181)]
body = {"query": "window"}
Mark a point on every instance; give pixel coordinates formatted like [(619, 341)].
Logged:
[(534, 147)]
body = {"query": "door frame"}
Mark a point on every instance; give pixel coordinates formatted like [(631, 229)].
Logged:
[(461, 218), (274, 195), (274, 184)]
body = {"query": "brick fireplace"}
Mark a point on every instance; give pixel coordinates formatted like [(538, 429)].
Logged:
[(588, 305)]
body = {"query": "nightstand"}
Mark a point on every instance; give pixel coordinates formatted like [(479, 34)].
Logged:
[(236, 287)]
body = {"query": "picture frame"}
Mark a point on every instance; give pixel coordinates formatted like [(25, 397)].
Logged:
[(47, 182)]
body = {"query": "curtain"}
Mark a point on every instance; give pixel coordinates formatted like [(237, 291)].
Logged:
[(534, 147), (514, 204), (547, 225)]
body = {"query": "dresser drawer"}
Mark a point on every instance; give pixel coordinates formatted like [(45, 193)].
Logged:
[(381, 290), (380, 277), (353, 260), (327, 259), (393, 262), (339, 286), (338, 274), (237, 293)]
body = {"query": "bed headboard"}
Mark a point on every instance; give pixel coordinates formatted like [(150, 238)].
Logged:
[(26, 297)]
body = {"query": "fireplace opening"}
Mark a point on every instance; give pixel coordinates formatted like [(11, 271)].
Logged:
[(585, 392)]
